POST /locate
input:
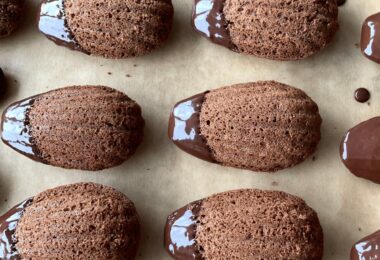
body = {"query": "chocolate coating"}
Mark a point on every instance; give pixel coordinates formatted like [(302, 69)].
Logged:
[(184, 128), (52, 23), (8, 224), (180, 232), (367, 248), (208, 20), (370, 38), (360, 150), (16, 130), (362, 95)]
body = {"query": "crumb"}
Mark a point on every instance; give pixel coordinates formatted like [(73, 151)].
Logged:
[(134, 65), (5, 200), (360, 229), (274, 183), (314, 158), (369, 103), (101, 65), (148, 169), (15, 80), (109, 73), (357, 45), (128, 76)]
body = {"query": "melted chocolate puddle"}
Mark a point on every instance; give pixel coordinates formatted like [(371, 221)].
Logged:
[(53, 24), (362, 95), (208, 19), (180, 232), (370, 38), (367, 248), (15, 129), (184, 129), (360, 150), (8, 224)]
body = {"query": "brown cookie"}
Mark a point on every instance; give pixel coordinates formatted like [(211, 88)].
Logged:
[(10, 16), (263, 126), (245, 224), (273, 29), (79, 127), (78, 221), (112, 29)]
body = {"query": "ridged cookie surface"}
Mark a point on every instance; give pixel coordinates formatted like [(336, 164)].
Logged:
[(263, 126), (120, 28), (80, 127), (79, 221), (10, 16), (245, 224)]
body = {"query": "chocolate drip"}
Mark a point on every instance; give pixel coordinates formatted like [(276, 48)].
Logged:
[(180, 231), (362, 95), (8, 224), (52, 22), (208, 19), (368, 248), (370, 38), (360, 150), (15, 129), (184, 128)]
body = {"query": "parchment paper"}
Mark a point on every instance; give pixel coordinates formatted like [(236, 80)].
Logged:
[(160, 178)]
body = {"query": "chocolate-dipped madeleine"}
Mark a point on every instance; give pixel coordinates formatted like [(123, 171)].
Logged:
[(262, 126), (112, 29), (370, 38), (79, 127), (273, 29), (78, 221), (245, 224), (367, 248)]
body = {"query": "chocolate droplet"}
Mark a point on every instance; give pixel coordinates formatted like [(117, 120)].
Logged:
[(370, 38), (341, 2), (180, 231), (360, 150), (362, 95), (184, 128)]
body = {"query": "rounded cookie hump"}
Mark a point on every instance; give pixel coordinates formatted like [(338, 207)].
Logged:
[(264, 126), (79, 221), (10, 16), (254, 224), (119, 28), (280, 29), (85, 127)]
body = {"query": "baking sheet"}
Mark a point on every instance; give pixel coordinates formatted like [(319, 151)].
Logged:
[(160, 178)]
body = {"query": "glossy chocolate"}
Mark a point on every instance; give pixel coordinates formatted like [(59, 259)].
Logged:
[(184, 128), (362, 95), (367, 249), (180, 231), (15, 129), (208, 20), (8, 224), (53, 24), (370, 38), (360, 150)]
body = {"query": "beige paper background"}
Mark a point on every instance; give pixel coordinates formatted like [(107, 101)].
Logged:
[(160, 178)]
